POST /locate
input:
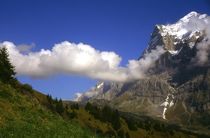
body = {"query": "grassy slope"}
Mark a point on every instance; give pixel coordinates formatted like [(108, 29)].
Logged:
[(23, 115)]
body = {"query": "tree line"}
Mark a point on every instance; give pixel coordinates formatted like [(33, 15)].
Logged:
[(105, 114)]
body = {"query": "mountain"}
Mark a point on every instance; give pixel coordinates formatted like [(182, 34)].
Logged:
[(171, 101), (177, 87)]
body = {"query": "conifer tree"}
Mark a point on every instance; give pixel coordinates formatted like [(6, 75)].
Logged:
[(7, 70), (59, 107)]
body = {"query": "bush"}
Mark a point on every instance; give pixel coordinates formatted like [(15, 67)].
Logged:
[(127, 135), (131, 124), (121, 133), (59, 107), (72, 115), (75, 106), (106, 114), (27, 87)]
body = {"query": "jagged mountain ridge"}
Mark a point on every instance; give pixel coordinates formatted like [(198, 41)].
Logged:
[(188, 29), (177, 88)]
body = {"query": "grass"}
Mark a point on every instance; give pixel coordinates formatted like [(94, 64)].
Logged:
[(23, 116)]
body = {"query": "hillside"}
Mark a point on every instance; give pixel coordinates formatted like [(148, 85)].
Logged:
[(27, 113), (23, 115)]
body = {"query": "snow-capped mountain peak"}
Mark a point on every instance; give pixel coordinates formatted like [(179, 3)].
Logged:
[(191, 23), (188, 29), (190, 15)]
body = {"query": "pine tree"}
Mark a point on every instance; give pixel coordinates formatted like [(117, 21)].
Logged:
[(59, 107), (116, 120), (75, 106), (7, 70), (88, 107)]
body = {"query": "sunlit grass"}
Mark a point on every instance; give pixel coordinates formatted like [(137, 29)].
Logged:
[(23, 116)]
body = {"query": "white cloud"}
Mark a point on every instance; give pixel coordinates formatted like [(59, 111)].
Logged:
[(202, 53), (138, 68), (202, 24), (77, 96), (24, 48), (79, 59)]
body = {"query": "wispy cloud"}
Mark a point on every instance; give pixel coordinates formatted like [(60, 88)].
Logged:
[(203, 48), (25, 48)]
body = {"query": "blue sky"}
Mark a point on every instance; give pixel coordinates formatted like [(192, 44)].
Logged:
[(122, 26)]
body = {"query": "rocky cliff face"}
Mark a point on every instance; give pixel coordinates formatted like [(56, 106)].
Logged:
[(177, 87)]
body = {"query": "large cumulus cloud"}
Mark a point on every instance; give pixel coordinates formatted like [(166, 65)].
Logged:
[(79, 59)]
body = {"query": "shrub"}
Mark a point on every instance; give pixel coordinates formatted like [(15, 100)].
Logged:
[(75, 106), (27, 87)]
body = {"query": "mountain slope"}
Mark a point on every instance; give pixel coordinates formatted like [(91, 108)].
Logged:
[(177, 86), (24, 115)]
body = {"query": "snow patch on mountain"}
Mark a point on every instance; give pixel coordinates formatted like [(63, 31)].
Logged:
[(169, 102), (173, 52), (100, 85)]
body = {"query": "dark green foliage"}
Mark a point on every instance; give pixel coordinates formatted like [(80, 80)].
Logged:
[(115, 120), (88, 106), (149, 124), (93, 109), (127, 135), (106, 114), (110, 115), (204, 119), (107, 111), (59, 107), (49, 98), (75, 106), (72, 114), (121, 133), (66, 107), (110, 133), (7, 71), (27, 87), (3, 94), (50, 104), (131, 124), (55, 105)]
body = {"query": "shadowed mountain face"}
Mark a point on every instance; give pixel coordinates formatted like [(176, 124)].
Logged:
[(177, 88)]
